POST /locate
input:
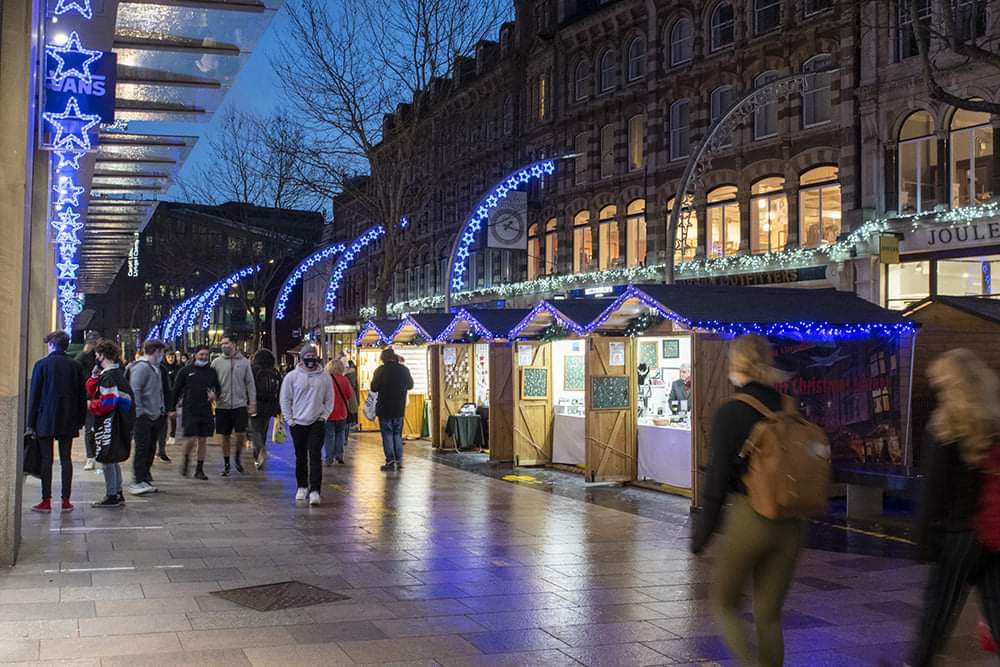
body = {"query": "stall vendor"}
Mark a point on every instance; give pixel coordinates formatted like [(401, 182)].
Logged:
[(680, 390)]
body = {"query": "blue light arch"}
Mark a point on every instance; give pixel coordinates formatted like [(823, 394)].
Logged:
[(337, 277), (295, 276)]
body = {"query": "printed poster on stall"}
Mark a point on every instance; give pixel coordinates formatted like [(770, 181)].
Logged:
[(853, 390), (525, 354), (616, 354), (450, 356)]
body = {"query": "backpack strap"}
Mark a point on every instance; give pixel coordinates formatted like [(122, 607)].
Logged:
[(767, 412)]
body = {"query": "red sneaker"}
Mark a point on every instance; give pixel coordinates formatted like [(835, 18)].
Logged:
[(44, 507), (67, 506)]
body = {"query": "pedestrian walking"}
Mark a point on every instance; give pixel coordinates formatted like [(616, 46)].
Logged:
[(57, 406), (351, 373), (306, 402), (267, 381), (391, 381), (755, 549), (197, 386), (147, 382), (111, 403), (236, 401), (173, 366), (344, 403), (955, 523), (87, 360)]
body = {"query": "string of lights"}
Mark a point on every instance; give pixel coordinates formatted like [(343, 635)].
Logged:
[(348, 256), (296, 275)]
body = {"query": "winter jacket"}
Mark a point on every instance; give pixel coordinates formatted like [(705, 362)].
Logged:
[(114, 415), (147, 388), (342, 394), (57, 399), (392, 381), (306, 396), (236, 379), (191, 391), (268, 384), (950, 499)]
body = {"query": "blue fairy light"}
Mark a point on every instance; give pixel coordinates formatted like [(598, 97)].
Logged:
[(296, 275)]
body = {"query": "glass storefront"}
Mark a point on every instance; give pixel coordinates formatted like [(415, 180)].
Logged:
[(909, 282)]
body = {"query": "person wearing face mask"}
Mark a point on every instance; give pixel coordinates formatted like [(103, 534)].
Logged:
[(196, 387), (307, 400), (754, 549), (146, 379), (237, 401)]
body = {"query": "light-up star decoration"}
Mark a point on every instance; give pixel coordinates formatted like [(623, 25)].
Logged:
[(72, 59), (69, 193), (81, 7), (337, 277), (68, 159), (304, 266), (72, 127)]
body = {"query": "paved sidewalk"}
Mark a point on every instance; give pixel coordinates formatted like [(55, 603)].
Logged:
[(441, 566)]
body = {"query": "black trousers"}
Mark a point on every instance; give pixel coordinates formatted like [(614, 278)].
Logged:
[(65, 462), (963, 563), (147, 436), (308, 442)]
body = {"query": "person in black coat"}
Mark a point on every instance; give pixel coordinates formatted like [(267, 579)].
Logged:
[(87, 359), (196, 387), (392, 381), (57, 410)]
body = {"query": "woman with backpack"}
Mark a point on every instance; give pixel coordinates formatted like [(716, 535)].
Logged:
[(345, 404), (958, 528), (111, 404), (755, 549), (268, 382)]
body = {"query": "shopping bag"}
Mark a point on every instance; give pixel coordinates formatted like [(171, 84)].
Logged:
[(32, 456), (278, 430), (370, 404), (986, 636)]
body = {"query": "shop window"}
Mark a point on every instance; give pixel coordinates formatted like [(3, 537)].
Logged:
[(816, 99), (607, 71), (551, 247), (970, 19), (581, 81), (813, 7), (635, 232), (968, 276), (723, 26), (971, 158), (766, 16), (679, 143), (580, 161), (428, 278), (819, 207), (534, 252), (765, 118), (607, 151), (681, 41), (543, 108), (907, 283), (768, 215), (583, 243), (722, 99), (723, 222), (636, 142), (906, 38), (610, 241), (636, 59), (686, 239), (918, 164)]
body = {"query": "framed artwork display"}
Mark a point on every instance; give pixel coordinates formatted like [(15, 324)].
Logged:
[(671, 348), (609, 392), (534, 383)]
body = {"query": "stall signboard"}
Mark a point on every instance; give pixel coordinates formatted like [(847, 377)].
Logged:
[(616, 354), (525, 354), (450, 355), (853, 390)]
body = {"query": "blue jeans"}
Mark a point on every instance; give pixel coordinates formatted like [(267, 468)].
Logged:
[(392, 439), (334, 437), (112, 479)]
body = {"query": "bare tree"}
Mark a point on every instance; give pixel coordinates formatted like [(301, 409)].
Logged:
[(362, 73)]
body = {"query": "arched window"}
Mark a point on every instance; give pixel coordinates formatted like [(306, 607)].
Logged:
[(686, 246), (679, 147), (583, 243), (636, 141), (768, 215), (971, 158), (819, 207), (551, 247), (581, 81), (722, 99), (723, 26), (635, 232), (636, 59), (610, 243), (508, 116), (766, 16), (918, 164), (534, 252), (723, 222), (607, 150), (681, 41), (607, 71), (816, 98), (765, 118)]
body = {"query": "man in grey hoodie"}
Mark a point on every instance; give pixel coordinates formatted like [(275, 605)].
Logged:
[(150, 411), (306, 403), (236, 403)]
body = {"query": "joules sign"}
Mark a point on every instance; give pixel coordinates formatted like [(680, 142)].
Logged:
[(932, 239)]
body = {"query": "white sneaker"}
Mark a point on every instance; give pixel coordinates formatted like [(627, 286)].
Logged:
[(171, 440), (140, 489), (150, 488), (89, 465), (314, 498), (301, 494)]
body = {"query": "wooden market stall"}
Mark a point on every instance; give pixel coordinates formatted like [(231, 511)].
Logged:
[(372, 339), (413, 341)]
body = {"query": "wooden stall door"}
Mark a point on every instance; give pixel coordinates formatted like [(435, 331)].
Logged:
[(436, 390), (501, 402), (457, 382), (710, 389), (532, 436), (611, 428)]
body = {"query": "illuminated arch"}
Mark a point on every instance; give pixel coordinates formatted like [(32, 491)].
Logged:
[(219, 289), (169, 327), (295, 276), (359, 244)]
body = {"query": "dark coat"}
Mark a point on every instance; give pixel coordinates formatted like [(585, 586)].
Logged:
[(950, 499), (57, 399), (392, 381), (190, 390)]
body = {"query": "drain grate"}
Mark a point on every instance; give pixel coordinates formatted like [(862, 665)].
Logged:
[(284, 595)]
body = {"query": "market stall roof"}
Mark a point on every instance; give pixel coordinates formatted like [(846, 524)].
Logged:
[(428, 326), (373, 332), (488, 323), (574, 315), (984, 307)]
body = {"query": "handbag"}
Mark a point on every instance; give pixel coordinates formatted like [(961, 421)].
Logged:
[(352, 405), (32, 456), (278, 430), (370, 403)]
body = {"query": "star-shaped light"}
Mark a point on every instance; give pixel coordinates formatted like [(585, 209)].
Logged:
[(72, 161), (81, 7), (67, 270), (68, 193), (66, 139), (68, 220), (79, 59)]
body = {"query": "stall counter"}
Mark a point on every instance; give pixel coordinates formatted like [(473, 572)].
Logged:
[(665, 455), (569, 440)]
